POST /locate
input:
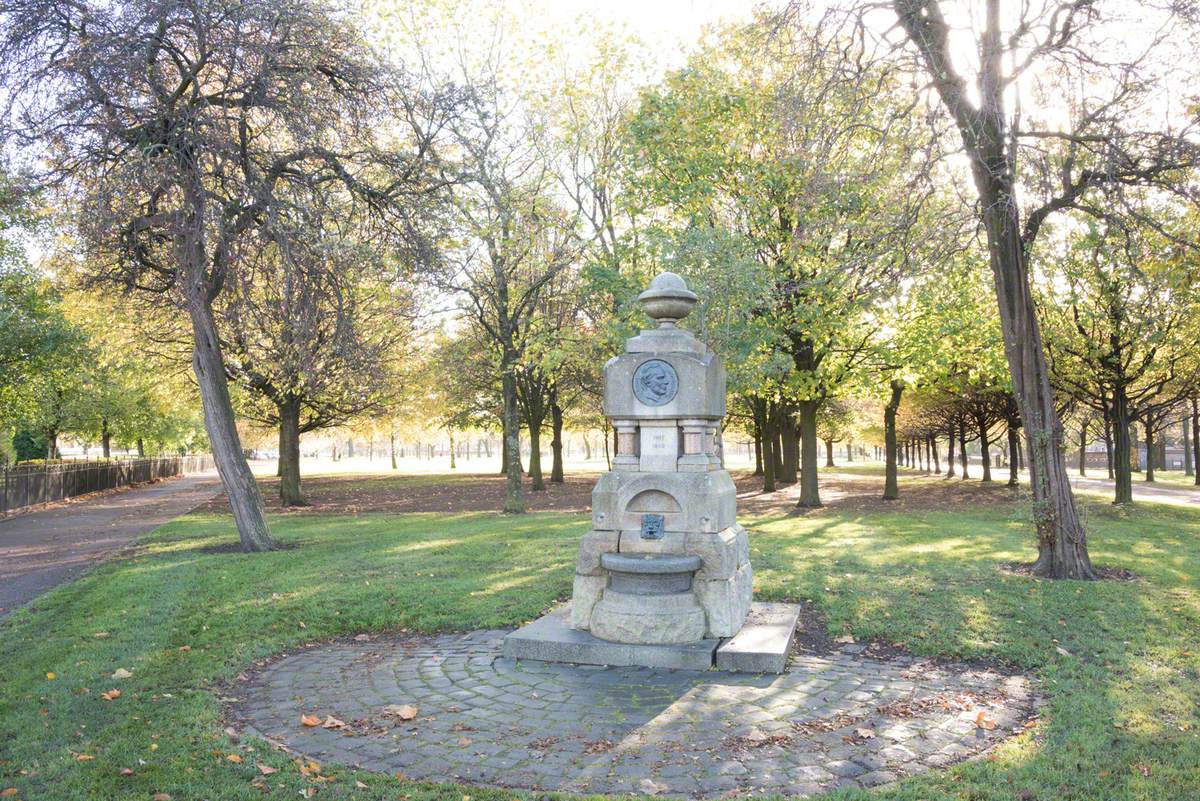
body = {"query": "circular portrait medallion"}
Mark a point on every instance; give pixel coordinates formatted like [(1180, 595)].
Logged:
[(655, 382)]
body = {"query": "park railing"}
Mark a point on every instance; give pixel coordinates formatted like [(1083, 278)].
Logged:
[(33, 484)]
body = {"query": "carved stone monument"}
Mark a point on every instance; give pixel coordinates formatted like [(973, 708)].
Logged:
[(664, 578), (666, 561)]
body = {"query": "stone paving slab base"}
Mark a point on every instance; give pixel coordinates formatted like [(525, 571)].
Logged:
[(550, 639), (764, 642), (841, 719)]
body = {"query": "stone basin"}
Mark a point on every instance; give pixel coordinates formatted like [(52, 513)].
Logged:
[(650, 574)]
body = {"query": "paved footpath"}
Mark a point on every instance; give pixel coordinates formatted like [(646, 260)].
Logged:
[(40, 550), (842, 719)]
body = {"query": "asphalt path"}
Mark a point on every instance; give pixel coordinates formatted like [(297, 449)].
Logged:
[(41, 549)]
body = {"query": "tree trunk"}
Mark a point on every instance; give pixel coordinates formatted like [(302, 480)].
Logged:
[(51, 444), (106, 438), (950, 454), (1123, 492), (1196, 440), (1083, 428), (810, 493), (556, 440), (758, 448), (514, 498), (453, 460), (891, 488), (790, 464), (962, 447), (1014, 456), (764, 424), (849, 451), (937, 465), (984, 454), (392, 440), (829, 454), (1108, 440), (289, 452), (141, 448), (1150, 454), (537, 483), (242, 490)]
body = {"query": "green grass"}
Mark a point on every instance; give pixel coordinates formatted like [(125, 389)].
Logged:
[(1122, 720)]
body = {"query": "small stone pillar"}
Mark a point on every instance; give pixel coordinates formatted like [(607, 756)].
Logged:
[(666, 561)]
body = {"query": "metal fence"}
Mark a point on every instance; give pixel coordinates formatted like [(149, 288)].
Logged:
[(30, 485)]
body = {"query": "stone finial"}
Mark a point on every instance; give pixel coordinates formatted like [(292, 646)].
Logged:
[(668, 300)]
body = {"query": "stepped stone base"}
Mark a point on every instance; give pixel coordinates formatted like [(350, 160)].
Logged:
[(762, 645)]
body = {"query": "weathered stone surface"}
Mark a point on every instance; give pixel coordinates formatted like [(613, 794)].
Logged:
[(647, 619), (726, 602), (593, 545), (763, 643), (550, 639), (585, 594)]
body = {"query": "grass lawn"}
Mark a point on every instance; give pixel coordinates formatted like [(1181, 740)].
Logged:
[(186, 617)]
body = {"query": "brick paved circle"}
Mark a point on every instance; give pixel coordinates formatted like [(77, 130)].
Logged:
[(841, 719)]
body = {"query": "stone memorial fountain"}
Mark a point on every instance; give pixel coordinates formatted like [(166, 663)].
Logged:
[(663, 579)]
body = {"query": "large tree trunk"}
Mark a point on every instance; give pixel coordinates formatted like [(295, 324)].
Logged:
[(245, 499), (141, 448), (1123, 492), (1187, 447), (289, 452), (829, 454), (556, 440), (1108, 439), (764, 422), (1061, 538), (106, 438), (514, 498), (810, 494), (891, 488)]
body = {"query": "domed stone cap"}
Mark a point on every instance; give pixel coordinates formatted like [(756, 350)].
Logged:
[(668, 300)]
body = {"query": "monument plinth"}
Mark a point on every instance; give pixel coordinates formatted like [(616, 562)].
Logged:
[(666, 564)]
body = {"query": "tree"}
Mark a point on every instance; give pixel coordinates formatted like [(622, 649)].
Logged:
[(1121, 305), (798, 174), (314, 328), (175, 130), (1094, 150)]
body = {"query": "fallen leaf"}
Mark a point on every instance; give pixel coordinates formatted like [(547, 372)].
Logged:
[(310, 720), (1063, 651), (362, 637), (126, 772), (51, 675), (185, 648), (331, 722), (111, 695), (121, 673), (1142, 768), (359, 785), (866, 734), (8, 792), (845, 638), (235, 758), (84, 758), (402, 711), (161, 797), (984, 722), (266, 770), (464, 741)]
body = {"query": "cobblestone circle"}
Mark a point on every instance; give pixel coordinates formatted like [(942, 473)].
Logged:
[(842, 719)]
